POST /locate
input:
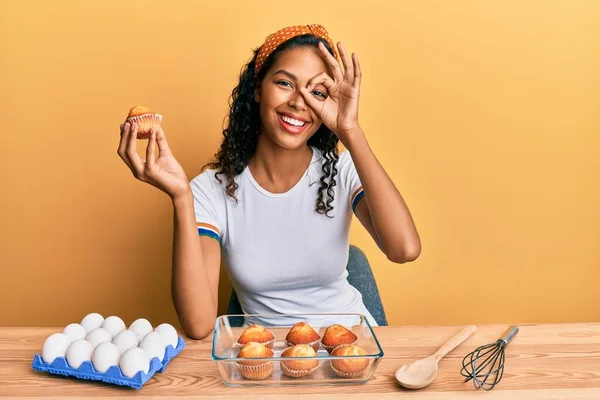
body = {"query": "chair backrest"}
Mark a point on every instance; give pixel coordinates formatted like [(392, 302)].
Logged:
[(360, 276)]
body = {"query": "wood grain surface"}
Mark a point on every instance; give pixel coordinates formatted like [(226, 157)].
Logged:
[(560, 361)]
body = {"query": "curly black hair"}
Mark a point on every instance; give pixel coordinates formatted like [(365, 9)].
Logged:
[(240, 136)]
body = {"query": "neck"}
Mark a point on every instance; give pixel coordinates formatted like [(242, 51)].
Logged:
[(278, 169)]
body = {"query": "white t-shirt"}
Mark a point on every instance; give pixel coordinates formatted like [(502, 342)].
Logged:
[(282, 256)]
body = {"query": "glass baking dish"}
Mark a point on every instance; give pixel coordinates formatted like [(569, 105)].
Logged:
[(225, 350)]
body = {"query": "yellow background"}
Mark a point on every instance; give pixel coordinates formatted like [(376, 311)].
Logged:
[(486, 114)]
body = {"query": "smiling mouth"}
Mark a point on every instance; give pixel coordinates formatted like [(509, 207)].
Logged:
[(292, 121), (292, 125)]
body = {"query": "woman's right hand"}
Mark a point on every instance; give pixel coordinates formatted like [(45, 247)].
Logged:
[(163, 172)]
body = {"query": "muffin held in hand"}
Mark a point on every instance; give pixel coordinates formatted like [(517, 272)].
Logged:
[(256, 333), (145, 119), (298, 368), (350, 367), (336, 335), (255, 370), (303, 333)]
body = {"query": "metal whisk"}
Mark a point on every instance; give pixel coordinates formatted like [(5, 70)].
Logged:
[(485, 365)]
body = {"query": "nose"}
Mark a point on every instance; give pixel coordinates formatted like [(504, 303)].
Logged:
[(297, 101)]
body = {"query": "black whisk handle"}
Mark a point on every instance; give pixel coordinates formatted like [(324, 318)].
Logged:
[(509, 334)]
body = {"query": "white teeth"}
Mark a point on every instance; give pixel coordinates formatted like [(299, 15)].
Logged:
[(292, 121)]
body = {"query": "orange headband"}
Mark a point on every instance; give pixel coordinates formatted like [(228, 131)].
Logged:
[(274, 40)]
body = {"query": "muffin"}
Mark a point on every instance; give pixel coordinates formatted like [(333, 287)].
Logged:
[(303, 333), (336, 335), (298, 368), (145, 120), (256, 333), (351, 367), (255, 370)]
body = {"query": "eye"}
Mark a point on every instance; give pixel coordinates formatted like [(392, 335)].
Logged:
[(319, 93), (284, 83)]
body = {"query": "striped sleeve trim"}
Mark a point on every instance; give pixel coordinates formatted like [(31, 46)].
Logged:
[(205, 229), (358, 194)]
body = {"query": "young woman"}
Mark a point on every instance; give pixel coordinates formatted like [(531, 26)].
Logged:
[(278, 201)]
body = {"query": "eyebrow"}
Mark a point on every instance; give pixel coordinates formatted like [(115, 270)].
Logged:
[(283, 71)]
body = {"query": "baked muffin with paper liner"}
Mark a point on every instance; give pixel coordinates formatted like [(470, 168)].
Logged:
[(256, 370), (350, 367), (299, 368), (145, 119), (256, 333), (336, 335), (303, 333)]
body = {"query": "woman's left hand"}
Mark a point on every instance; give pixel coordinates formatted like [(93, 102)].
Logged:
[(339, 111)]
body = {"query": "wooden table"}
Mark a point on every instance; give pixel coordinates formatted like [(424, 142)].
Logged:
[(542, 362)]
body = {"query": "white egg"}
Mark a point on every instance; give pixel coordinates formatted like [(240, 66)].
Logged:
[(168, 333), (98, 335), (92, 321), (133, 361), (125, 340), (114, 325), (75, 332), (154, 346), (141, 327), (55, 346), (78, 352), (105, 355)]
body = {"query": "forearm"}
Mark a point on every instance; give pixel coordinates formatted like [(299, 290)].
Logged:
[(193, 295), (389, 213)]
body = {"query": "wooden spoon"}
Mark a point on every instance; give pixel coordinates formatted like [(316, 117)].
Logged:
[(422, 373)]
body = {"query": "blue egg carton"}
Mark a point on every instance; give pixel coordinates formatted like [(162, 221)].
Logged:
[(113, 375)]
